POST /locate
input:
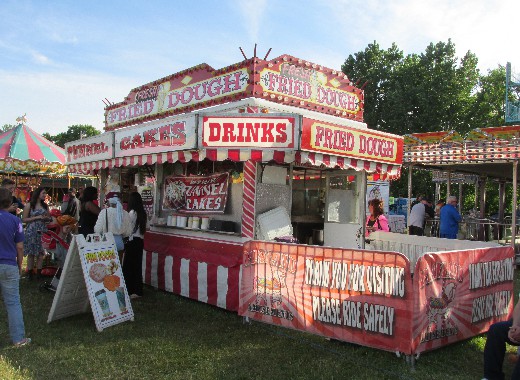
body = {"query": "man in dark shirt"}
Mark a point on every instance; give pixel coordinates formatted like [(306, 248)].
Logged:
[(10, 185)]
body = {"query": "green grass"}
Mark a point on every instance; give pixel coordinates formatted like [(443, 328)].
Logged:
[(176, 338)]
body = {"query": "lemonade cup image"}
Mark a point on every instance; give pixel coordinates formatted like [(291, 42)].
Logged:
[(121, 300), (101, 296)]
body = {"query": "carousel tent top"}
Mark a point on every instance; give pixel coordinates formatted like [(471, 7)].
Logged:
[(484, 151), (25, 152)]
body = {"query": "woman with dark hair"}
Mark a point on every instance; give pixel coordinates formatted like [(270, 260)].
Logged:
[(132, 265), (35, 216), (376, 221), (89, 211)]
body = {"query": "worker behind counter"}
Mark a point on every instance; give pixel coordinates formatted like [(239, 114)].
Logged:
[(420, 211)]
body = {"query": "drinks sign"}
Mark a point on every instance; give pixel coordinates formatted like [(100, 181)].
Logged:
[(196, 194), (273, 131)]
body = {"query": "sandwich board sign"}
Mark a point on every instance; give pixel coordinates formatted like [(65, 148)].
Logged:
[(92, 275)]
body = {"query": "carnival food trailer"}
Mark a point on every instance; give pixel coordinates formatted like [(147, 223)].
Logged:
[(254, 177)]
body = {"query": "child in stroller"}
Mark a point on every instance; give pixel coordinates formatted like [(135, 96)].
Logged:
[(61, 234)]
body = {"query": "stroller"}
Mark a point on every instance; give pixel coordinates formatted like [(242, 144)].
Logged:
[(53, 243)]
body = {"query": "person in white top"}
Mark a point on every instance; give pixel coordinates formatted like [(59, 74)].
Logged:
[(133, 263), (116, 220), (418, 216)]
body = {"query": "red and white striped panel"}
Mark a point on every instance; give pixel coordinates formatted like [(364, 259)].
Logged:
[(206, 270), (238, 155), (248, 202), (386, 171), (318, 159)]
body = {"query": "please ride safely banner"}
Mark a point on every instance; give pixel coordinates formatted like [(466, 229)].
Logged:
[(351, 295)]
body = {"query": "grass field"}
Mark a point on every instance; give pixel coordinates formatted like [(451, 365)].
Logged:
[(176, 338)]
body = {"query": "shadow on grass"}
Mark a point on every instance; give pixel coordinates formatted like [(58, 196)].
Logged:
[(176, 338)]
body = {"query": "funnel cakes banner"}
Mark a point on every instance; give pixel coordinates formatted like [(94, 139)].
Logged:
[(196, 194)]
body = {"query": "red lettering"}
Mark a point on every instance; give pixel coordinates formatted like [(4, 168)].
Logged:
[(214, 132), (149, 137), (229, 81), (267, 135), (178, 134), (281, 130), (227, 132), (125, 143)]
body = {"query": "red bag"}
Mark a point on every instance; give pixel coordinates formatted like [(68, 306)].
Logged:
[(48, 241)]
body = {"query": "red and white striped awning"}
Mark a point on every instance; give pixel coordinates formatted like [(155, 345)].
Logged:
[(381, 170)]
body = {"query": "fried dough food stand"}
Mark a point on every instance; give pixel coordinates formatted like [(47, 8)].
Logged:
[(239, 161)]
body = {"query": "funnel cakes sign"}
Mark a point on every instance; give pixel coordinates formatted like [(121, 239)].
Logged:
[(94, 148), (196, 194), (170, 134)]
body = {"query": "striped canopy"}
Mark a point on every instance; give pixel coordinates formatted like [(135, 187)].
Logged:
[(23, 151)]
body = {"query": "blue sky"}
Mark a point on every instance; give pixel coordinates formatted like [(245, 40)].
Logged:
[(59, 58)]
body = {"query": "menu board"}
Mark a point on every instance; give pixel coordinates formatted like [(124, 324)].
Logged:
[(103, 284)]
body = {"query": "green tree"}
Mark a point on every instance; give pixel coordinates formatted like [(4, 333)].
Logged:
[(373, 70), (74, 132), (489, 105), (6, 127)]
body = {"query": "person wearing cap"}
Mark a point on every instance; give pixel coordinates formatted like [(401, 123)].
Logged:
[(116, 220), (450, 218), (417, 219)]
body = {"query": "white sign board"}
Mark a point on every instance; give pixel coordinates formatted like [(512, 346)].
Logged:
[(90, 149), (102, 283), (165, 135)]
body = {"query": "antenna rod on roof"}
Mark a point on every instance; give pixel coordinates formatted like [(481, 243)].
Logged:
[(109, 102), (104, 102), (242, 53), (268, 51), (254, 52)]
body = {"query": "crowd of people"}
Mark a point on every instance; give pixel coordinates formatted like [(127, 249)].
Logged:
[(22, 227)]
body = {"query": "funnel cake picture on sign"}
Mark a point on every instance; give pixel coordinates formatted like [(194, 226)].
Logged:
[(174, 193)]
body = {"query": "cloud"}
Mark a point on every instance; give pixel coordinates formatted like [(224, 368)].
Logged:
[(475, 25), (40, 58), (252, 14), (54, 101)]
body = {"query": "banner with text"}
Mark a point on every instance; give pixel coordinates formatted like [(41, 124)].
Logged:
[(196, 194), (259, 131), (459, 294), (165, 135), (90, 149), (339, 140), (351, 295)]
